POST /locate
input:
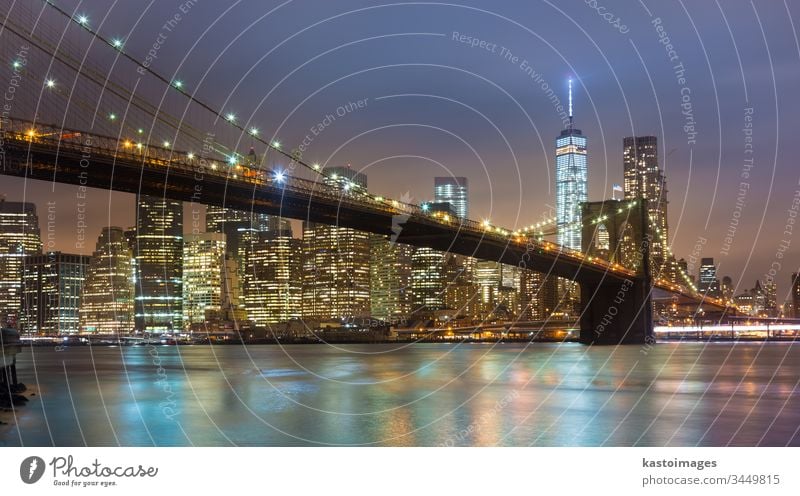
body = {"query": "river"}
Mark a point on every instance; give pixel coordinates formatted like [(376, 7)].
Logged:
[(672, 394)]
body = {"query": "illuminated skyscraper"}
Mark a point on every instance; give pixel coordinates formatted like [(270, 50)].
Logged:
[(158, 251), (461, 293), (644, 179), (571, 182), (708, 282), (453, 190), (488, 276), (203, 276), (107, 298), (795, 296), (274, 278), (389, 279), (428, 270), (427, 280), (19, 237), (336, 274), (571, 191), (51, 288), (538, 295)]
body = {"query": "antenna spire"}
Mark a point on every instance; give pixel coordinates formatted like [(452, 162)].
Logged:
[(570, 103)]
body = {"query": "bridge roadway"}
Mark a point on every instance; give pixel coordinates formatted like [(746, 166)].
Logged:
[(50, 153)]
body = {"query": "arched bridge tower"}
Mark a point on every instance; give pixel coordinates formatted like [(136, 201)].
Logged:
[(617, 310)]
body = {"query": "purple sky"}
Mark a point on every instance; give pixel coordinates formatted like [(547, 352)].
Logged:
[(435, 105)]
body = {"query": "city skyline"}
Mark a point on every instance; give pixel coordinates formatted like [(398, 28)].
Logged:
[(282, 223), (611, 111)]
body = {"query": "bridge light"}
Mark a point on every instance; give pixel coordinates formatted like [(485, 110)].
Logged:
[(83, 20), (140, 131), (112, 116), (254, 131), (31, 133), (280, 176), (315, 167), (166, 144), (127, 144), (190, 156), (117, 43), (347, 186), (178, 83), (138, 146), (232, 160), (425, 207), (276, 144), (16, 64), (230, 117), (334, 176), (50, 83)]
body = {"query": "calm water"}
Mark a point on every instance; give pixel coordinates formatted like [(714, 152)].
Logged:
[(423, 394)]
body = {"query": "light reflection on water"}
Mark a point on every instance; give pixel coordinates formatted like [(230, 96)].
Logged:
[(424, 394)]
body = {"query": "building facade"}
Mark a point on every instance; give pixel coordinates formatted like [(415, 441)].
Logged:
[(455, 191), (708, 281), (274, 279), (571, 182), (51, 289), (203, 276), (158, 253), (107, 298), (336, 273), (645, 180), (19, 238), (389, 279)]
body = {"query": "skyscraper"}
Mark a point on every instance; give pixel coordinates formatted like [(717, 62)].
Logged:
[(795, 297), (538, 295), (274, 278), (645, 180), (571, 182), (107, 298), (19, 237), (336, 278), (488, 277), (52, 285), (709, 284), (389, 279), (203, 276), (571, 191), (427, 280), (453, 190), (158, 253)]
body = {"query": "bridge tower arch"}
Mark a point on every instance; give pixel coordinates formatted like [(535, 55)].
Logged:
[(614, 311)]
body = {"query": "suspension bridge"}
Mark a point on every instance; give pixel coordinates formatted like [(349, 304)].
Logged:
[(63, 129)]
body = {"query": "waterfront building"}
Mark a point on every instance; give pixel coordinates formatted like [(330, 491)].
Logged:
[(274, 278), (538, 295), (203, 276), (51, 293), (336, 272), (107, 297), (389, 279), (158, 251), (19, 237)]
